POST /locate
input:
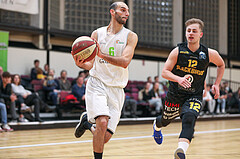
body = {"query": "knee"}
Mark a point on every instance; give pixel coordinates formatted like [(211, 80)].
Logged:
[(101, 123), (188, 123), (188, 119)]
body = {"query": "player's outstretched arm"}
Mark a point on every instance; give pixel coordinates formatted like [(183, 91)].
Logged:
[(215, 58), (169, 65), (128, 52)]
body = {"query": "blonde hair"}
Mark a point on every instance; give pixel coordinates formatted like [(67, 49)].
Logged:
[(195, 21)]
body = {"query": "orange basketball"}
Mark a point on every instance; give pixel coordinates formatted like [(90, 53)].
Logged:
[(85, 47)]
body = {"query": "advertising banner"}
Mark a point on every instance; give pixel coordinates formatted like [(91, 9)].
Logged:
[(3, 49), (24, 6)]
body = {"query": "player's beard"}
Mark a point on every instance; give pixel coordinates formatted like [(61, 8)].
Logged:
[(119, 19)]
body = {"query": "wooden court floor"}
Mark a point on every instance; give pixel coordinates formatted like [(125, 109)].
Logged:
[(213, 140)]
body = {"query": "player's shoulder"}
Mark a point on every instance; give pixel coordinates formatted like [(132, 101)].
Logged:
[(212, 51), (130, 32), (175, 50), (183, 44), (132, 36), (103, 28), (97, 31)]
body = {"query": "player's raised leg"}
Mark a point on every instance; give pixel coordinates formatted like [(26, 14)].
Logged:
[(82, 126)]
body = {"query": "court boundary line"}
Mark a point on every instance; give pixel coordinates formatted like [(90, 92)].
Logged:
[(114, 139)]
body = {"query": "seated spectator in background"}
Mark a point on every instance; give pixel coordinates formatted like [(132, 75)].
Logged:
[(3, 112), (40, 75), (46, 69), (64, 84), (208, 99), (227, 88), (80, 74), (234, 101), (51, 87), (144, 94), (86, 72), (160, 89), (78, 90), (6, 95), (155, 98), (221, 100), (149, 80), (33, 74), (25, 97), (228, 91), (132, 104)]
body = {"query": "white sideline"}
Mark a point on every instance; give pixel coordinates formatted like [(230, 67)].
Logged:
[(114, 139)]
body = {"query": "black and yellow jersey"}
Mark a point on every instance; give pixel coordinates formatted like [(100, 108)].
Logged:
[(194, 66)]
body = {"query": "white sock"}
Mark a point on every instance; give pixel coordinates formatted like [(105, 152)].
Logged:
[(184, 146)]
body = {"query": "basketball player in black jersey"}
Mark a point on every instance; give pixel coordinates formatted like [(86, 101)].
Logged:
[(186, 69)]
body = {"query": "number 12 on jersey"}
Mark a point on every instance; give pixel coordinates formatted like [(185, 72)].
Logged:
[(195, 106)]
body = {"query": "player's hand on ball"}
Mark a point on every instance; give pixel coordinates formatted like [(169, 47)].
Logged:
[(78, 61), (183, 81)]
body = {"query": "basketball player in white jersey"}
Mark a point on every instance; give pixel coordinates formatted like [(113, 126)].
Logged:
[(108, 77)]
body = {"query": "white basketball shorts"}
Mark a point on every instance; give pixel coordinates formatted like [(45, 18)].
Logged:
[(104, 100)]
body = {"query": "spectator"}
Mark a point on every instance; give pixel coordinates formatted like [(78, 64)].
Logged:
[(78, 90), (51, 87), (144, 93), (6, 95), (222, 100), (234, 102), (86, 73), (155, 98), (160, 89), (80, 73), (64, 84), (227, 88), (228, 91), (149, 80), (26, 97), (132, 103), (40, 75), (208, 99), (34, 70), (46, 69), (5, 126)]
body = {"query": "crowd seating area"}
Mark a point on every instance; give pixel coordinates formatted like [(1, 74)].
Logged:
[(69, 107)]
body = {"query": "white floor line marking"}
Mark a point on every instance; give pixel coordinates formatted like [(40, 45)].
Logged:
[(114, 139)]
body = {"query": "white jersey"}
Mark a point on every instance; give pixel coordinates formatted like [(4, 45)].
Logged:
[(113, 45)]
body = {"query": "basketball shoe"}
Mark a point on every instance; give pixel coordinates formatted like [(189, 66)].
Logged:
[(179, 154), (157, 135), (80, 129)]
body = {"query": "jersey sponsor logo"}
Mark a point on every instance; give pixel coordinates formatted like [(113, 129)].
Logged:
[(193, 57), (103, 61), (184, 52), (186, 89), (168, 104), (202, 56), (189, 78), (190, 70), (119, 42)]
